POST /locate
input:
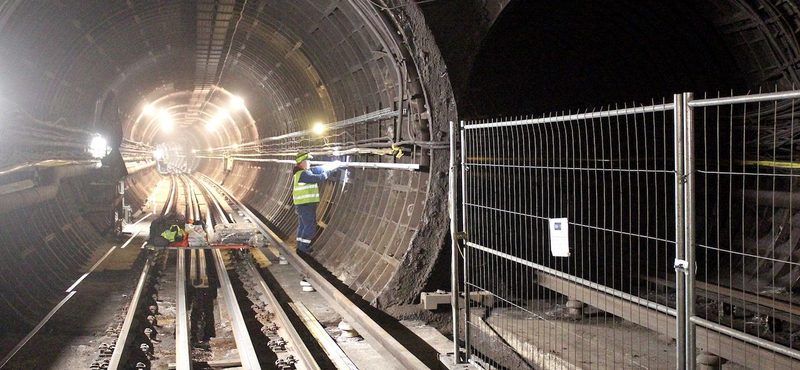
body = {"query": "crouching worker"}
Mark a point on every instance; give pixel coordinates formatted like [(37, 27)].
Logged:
[(168, 231), (306, 198)]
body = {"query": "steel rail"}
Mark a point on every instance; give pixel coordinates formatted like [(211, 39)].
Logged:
[(241, 335), (401, 357), (125, 334), (732, 348), (183, 358), (329, 345), (247, 353), (35, 330), (297, 345)]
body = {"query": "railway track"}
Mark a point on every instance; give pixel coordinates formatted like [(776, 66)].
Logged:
[(211, 308), (144, 341), (398, 356)]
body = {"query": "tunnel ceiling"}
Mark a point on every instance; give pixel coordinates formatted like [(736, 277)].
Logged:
[(291, 63)]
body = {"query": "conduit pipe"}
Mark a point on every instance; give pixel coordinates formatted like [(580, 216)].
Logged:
[(28, 197)]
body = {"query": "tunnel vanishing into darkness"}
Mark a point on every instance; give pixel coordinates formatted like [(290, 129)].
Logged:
[(122, 68)]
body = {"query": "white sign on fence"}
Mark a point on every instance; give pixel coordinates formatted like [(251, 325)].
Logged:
[(559, 237)]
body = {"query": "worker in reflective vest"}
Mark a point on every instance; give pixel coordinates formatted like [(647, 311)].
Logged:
[(306, 198)]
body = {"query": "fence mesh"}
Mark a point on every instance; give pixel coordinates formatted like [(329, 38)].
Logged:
[(634, 196), (611, 174), (748, 227)]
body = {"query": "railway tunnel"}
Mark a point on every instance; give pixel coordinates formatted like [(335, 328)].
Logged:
[(232, 89)]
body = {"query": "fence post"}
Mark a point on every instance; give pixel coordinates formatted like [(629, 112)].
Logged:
[(680, 248), (689, 211), (453, 209), (468, 355)]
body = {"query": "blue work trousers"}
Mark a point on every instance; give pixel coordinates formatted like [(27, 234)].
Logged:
[(307, 216)]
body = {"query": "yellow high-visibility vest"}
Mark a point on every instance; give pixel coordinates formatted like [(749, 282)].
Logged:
[(304, 193), (173, 232)]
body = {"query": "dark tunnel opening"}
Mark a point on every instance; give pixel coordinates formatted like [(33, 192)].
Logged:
[(553, 57), (547, 56)]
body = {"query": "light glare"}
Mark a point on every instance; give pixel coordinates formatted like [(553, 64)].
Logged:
[(212, 124), (166, 121), (149, 109), (98, 148), (237, 102), (319, 128)]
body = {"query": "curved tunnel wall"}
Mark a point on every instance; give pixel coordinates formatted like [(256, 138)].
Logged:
[(296, 62), (49, 245)]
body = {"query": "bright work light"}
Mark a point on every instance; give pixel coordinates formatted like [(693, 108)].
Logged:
[(319, 128), (98, 148)]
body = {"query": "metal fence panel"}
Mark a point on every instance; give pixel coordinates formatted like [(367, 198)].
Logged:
[(747, 229), (611, 174), (682, 223)]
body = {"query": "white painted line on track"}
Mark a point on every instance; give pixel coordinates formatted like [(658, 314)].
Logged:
[(141, 219), (91, 269), (131, 239)]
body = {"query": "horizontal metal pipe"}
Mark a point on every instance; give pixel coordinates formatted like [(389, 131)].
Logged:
[(47, 163), (575, 117), (377, 165), (138, 168), (377, 115), (786, 95), (27, 197)]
